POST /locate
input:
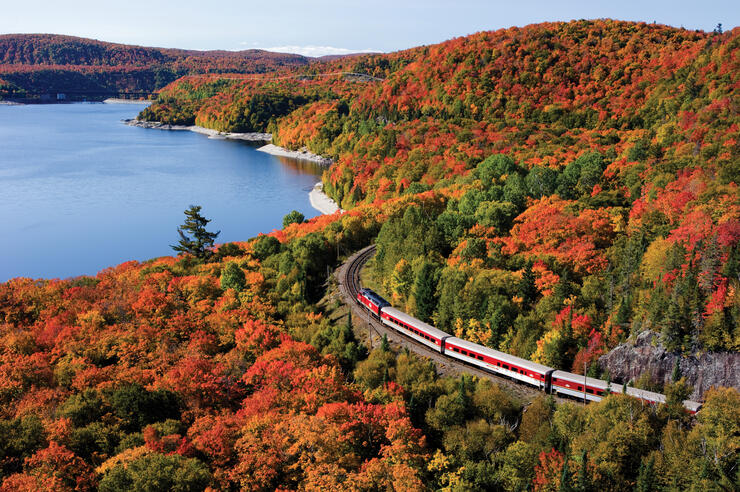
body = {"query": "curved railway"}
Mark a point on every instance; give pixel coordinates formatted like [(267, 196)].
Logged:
[(350, 285), (448, 352)]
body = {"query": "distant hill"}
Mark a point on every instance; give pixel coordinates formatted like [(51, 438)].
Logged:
[(37, 64)]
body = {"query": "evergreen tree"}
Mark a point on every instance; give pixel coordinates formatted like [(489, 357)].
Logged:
[(676, 374), (527, 289), (584, 481), (194, 238), (294, 217), (232, 277), (425, 291), (566, 479), (384, 345), (646, 476)]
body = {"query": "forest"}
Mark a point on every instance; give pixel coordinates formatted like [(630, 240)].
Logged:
[(549, 191), (224, 373), (36, 64), (585, 176)]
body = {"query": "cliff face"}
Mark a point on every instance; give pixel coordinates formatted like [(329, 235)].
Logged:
[(646, 354)]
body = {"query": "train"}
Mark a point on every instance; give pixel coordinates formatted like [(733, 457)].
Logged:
[(544, 378)]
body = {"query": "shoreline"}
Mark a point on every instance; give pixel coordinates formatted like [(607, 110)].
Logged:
[(116, 100), (304, 155), (319, 200), (214, 134)]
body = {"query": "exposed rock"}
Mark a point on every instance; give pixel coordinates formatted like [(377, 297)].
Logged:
[(646, 355), (250, 137), (302, 154)]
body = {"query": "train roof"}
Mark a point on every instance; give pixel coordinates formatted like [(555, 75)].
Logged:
[(592, 382), (645, 394), (370, 294), (416, 323), (510, 359), (692, 406)]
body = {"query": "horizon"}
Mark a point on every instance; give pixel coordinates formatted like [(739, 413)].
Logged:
[(330, 27)]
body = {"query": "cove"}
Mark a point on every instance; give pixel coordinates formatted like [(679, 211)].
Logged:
[(80, 191)]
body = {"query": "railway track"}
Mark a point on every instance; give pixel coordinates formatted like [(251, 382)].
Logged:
[(350, 284)]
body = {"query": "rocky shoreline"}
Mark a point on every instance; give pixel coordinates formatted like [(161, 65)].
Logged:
[(118, 100), (249, 137), (296, 154)]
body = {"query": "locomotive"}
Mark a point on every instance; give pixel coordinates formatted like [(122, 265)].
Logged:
[(544, 378)]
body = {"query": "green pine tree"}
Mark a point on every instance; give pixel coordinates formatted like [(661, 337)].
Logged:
[(425, 291), (527, 289), (194, 238), (646, 476), (566, 479), (384, 345), (584, 480), (676, 374)]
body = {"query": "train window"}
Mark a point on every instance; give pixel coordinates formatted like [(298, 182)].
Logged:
[(455, 349), (480, 357), (505, 366), (580, 388), (600, 393), (589, 390), (498, 364)]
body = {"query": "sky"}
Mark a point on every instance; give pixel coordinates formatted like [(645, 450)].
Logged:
[(319, 27)]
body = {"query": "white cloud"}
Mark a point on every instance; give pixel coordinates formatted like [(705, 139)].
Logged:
[(312, 50)]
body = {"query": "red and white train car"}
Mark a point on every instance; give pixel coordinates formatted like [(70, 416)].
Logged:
[(372, 301), (575, 385), (414, 328), (500, 363)]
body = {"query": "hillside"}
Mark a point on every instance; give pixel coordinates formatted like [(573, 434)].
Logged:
[(37, 64), (552, 191), (586, 172)]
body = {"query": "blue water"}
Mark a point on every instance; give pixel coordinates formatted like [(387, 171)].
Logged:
[(80, 191)]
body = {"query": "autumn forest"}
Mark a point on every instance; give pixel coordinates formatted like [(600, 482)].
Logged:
[(552, 192)]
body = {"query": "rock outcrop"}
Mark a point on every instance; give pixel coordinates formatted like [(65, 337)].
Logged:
[(646, 355)]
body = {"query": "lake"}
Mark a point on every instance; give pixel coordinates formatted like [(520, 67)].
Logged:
[(80, 191)]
